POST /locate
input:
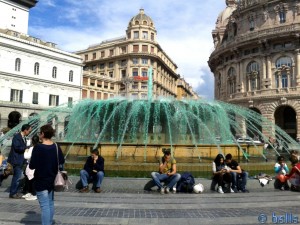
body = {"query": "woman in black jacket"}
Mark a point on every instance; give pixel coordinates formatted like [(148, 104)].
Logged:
[(45, 160)]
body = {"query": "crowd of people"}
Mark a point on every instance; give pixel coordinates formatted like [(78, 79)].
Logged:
[(39, 159)]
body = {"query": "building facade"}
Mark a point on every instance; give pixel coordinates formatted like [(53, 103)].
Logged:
[(256, 61), (118, 67), (34, 75)]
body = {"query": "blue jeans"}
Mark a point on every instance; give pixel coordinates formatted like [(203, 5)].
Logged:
[(15, 180), (239, 176), (46, 201), (171, 180), (85, 178)]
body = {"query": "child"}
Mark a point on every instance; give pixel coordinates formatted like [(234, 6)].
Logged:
[(294, 175), (281, 170), (29, 178)]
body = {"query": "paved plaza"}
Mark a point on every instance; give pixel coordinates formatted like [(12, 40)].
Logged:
[(123, 201)]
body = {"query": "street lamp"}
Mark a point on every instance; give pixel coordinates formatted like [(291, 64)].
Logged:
[(127, 81)]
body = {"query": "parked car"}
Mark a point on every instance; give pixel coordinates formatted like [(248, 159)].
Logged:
[(248, 141)]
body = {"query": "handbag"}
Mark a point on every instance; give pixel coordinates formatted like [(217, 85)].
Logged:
[(61, 180)]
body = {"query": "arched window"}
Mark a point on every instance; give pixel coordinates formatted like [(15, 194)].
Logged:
[(283, 72), (253, 67), (36, 68), (231, 75), (71, 76), (253, 76), (17, 64), (54, 72), (283, 61)]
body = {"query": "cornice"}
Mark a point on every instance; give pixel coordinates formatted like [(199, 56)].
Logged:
[(77, 57), (35, 80)]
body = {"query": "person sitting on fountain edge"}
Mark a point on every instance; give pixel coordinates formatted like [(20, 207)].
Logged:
[(93, 171), (237, 174), (167, 173)]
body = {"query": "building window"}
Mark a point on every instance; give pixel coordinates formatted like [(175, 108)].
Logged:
[(101, 66), (135, 34), (111, 52), (54, 72), (102, 54), (251, 23), (284, 67), (111, 65), (71, 76), (284, 80), (145, 48), (94, 67), (135, 48), (123, 72), (111, 74), (35, 98), (144, 73), (253, 75), (135, 85), (152, 49), (18, 64), (145, 61), (53, 100), (124, 62), (152, 36), (135, 72), (283, 61), (16, 95), (36, 68), (86, 57), (94, 55), (231, 76), (70, 102), (135, 61), (123, 49), (282, 16), (145, 34)]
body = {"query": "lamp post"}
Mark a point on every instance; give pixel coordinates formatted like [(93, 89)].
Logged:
[(127, 81)]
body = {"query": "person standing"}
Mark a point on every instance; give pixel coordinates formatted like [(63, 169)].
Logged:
[(237, 174), (44, 160), (30, 193), (93, 170), (167, 173), (16, 159)]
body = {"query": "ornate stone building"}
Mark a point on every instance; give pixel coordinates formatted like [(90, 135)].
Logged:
[(34, 74), (118, 67), (256, 61)]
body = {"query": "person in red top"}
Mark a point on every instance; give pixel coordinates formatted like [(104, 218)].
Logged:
[(294, 175)]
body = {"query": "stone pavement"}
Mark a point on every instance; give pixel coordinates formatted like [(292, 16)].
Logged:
[(124, 201)]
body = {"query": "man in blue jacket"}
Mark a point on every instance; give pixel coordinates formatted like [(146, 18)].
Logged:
[(93, 170), (16, 158)]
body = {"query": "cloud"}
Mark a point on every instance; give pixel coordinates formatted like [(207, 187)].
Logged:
[(183, 29)]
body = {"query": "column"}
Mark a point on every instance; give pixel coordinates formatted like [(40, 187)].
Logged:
[(297, 75)]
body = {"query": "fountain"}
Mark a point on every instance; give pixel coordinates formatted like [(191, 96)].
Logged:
[(128, 128)]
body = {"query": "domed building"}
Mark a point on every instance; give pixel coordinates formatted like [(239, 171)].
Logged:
[(256, 60), (119, 66)]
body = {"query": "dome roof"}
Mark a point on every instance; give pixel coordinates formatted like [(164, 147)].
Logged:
[(141, 19), (225, 14)]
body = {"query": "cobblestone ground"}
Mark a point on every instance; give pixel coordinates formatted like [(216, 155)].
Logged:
[(123, 201)]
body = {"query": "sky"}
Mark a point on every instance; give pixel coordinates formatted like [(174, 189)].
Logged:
[(183, 29)]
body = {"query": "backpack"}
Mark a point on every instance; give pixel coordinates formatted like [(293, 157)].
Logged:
[(186, 183)]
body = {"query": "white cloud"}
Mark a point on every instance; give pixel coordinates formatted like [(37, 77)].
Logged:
[(183, 29)]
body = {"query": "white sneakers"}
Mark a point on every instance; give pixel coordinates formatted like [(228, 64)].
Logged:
[(29, 197), (220, 190)]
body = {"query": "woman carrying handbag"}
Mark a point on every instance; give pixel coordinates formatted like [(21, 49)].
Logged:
[(45, 158)]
